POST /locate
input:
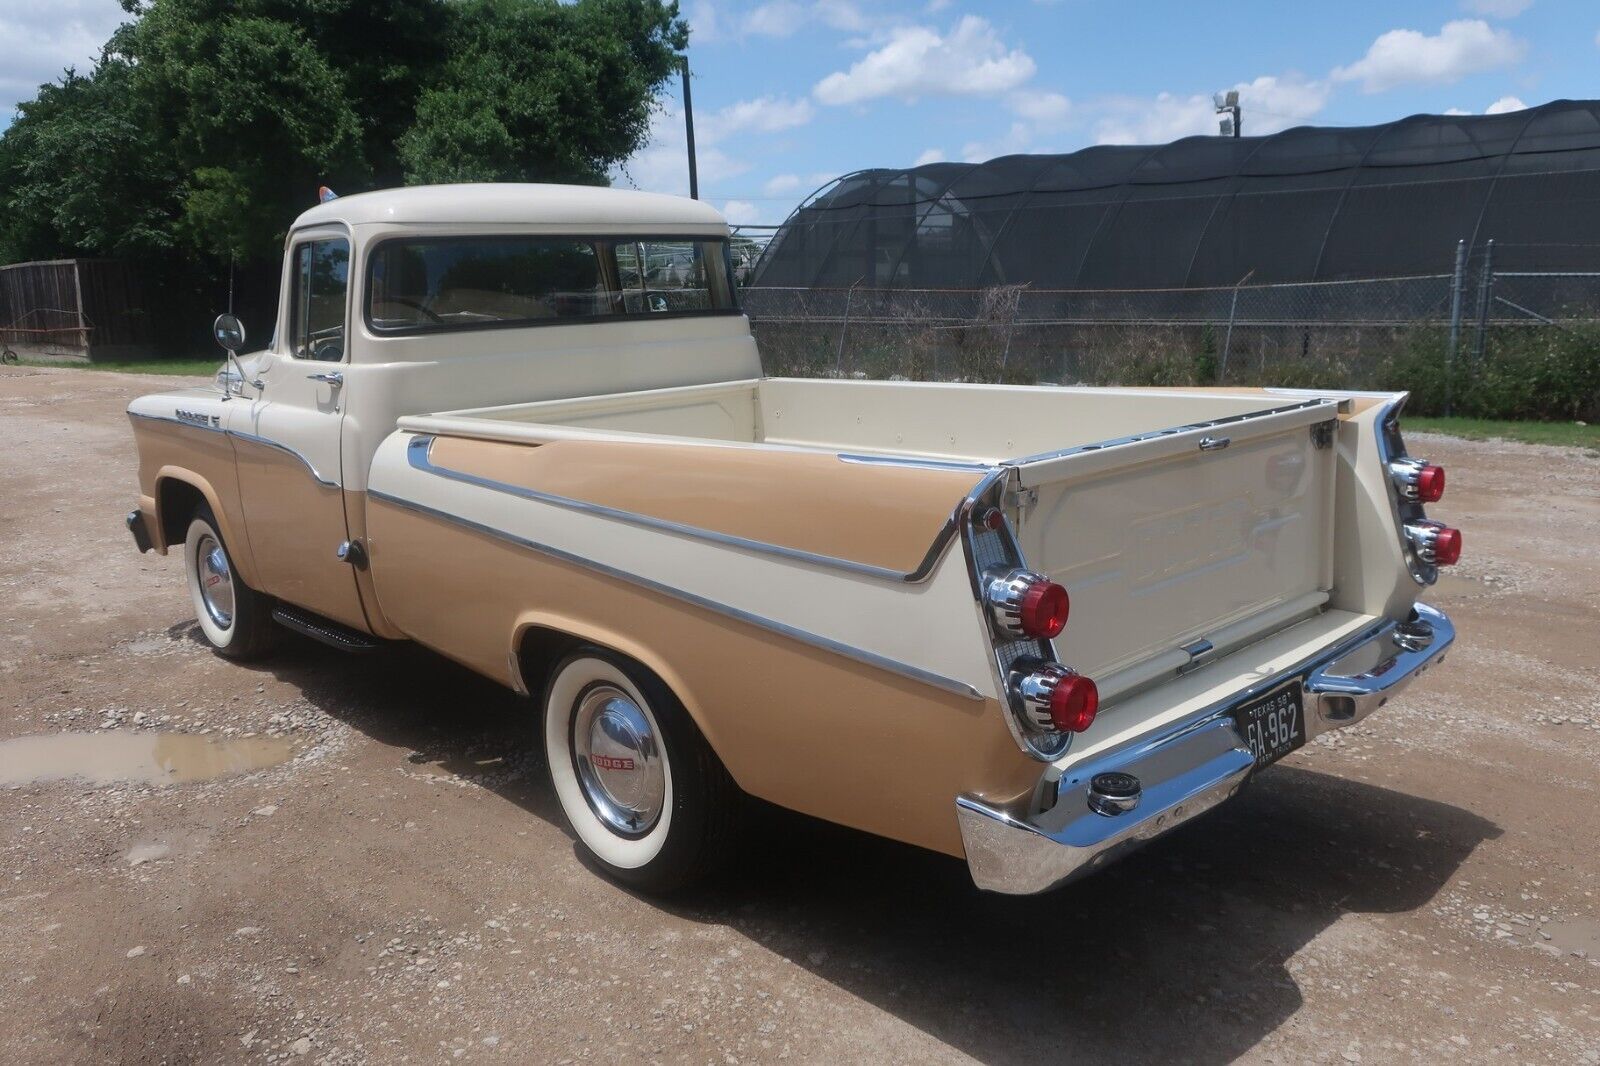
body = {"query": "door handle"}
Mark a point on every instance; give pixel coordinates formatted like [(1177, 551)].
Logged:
[(332, 377)]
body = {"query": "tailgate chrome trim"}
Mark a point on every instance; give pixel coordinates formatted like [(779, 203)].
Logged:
[(1308, 407), (1189, 767)]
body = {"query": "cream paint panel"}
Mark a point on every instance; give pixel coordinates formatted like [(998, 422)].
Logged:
[(795, 725), (885, 516), (1369, 568), (1158, 554), (910, 623), (986, 422)]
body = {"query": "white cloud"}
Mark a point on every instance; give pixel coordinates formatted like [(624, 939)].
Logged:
[(917, 61), (1505, 104), (1456, 111), (933, 7), (841, 15), (1019, 138), (781, 184), (1462, 47), (764, 114), (780, 18), (663, 164), (705, 25), (1500, 9), (929, 155), (1043, 108), (1268, 104), (42, 39), (741, 212)]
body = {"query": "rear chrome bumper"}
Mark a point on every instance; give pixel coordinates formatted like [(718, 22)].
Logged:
[(1188, 769)]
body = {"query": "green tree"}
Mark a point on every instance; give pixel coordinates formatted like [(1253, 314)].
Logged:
[(542, 91), (207, 125)]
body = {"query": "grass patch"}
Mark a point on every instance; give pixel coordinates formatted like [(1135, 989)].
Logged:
[(193, 367), (1566, 434)]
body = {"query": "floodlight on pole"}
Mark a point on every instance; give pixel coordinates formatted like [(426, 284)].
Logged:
[(1227, 105)]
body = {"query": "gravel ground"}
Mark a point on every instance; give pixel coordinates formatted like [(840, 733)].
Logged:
[(391, 882)]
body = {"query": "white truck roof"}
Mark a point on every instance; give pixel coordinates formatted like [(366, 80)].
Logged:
[(495, 203)]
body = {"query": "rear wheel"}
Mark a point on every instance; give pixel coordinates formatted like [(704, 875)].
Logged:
[(235, 618), (647, 798)]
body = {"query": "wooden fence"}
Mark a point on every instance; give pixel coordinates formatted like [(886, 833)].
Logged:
[(86, 309)]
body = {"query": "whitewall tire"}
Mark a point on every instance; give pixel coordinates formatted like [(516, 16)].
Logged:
[(233, 617), (642, 791)]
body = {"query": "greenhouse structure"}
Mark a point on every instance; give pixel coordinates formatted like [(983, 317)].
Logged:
[(1308, 204)]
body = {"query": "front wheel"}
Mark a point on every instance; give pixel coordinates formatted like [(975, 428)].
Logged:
[(235, 618), (647, 798)]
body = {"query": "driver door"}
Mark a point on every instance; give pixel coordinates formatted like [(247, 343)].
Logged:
[(290, 475)]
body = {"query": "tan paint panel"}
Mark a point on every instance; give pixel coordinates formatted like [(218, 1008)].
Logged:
[(296, 524), (202, 458), (881, 515), (795, 725)]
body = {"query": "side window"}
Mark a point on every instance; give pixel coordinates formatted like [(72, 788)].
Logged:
[(674, 275), (321, 277)]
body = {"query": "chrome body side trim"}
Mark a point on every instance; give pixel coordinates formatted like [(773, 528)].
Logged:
[(1189, 767), (418, 455), (249, 438), (911, 460), (860, 655)]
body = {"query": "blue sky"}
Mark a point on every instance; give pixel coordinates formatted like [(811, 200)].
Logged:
[(789, 93)]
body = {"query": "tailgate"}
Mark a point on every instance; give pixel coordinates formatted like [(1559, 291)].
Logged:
[(1217, 532)]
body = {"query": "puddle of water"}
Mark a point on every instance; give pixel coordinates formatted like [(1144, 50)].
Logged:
[(143, 758), (1578, 934)]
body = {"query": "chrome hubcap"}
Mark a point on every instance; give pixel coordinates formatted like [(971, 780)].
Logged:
[(619, 761), (216, 580)]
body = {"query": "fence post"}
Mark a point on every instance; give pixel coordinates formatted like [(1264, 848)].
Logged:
[(1227, 339), (1458, 282), (1485, 298), (838, 357)]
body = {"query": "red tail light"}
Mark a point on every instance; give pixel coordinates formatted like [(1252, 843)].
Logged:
[(1044, 610), (1024, 604), (1052, 698), (1430, 483), (1435, 543), (1074, 704), (1446, 546)]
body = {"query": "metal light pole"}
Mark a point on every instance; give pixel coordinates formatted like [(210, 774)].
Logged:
[(688, 129)]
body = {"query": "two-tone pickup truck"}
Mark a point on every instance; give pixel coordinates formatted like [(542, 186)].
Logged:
[(527, 427)]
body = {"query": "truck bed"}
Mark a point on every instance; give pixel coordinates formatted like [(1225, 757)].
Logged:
[(979, 424), (1177, 520)]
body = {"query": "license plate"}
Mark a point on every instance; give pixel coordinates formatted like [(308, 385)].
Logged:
[(1274, 724)]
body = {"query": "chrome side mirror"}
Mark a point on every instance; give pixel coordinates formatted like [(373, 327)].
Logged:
[(229, 332)]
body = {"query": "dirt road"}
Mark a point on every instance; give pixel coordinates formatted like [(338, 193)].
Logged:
[(391, 882)]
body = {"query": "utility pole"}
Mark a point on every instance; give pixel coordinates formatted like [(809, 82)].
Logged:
[(1227, 105), (688, 129)]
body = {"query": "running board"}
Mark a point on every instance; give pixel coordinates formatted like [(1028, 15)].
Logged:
[(325, 630)]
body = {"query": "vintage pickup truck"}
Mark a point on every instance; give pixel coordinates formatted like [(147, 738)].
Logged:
[(527, 427)]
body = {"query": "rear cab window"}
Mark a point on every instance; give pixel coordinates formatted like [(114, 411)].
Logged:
[(434, 284)]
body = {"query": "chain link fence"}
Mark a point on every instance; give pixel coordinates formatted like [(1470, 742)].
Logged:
[(1434, 334)]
